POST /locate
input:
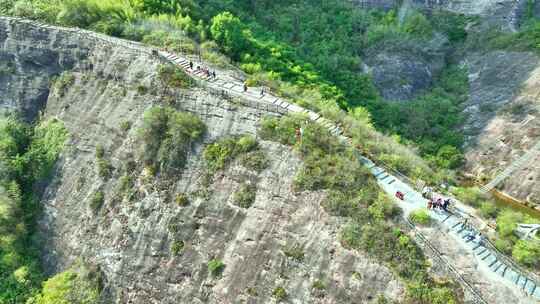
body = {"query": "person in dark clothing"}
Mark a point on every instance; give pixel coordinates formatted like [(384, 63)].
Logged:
[(446, 204), (214, 74), (245, 87), (191, 65)]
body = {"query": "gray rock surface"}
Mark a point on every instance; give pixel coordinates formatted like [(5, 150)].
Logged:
[(29, 59), (402, 69), (503, 122)]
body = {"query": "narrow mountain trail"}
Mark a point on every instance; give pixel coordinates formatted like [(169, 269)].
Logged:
[(488, 271)]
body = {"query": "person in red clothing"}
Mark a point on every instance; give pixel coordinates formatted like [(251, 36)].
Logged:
[(400, 195)]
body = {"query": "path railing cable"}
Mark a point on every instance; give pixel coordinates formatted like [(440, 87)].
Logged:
[(422, 240), (282, 107)]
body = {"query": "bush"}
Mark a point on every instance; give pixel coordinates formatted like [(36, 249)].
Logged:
[(177, 247), (507, 222), (100, 151), (279, 293), (222, 152), (527, 253), (174, 77), (104, 168), (80, 13), (295, 252), (97, 200), (181, 199), (167, 136), (216, 267), (420, 217), (245, 196), (470, 196), (488, 210), (126, 183), (76, 285), (255, 160), (125, 126)]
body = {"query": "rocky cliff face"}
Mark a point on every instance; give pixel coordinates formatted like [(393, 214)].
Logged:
[(503, 122), (29, 62), (131, 238), (505, 14)]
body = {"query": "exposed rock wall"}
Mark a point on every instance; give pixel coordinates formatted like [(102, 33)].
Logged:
[(130, 239), (505, 14), (503, 122), (29, 59)]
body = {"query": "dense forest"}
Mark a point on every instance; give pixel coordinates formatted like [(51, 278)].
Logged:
[(309, 51)]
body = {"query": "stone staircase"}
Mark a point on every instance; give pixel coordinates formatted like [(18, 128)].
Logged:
[(519, 164)]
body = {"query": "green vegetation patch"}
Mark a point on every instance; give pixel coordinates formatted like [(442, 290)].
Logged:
[(295, 252), (27, 157), (279, 293), (172, 76), (167, 136), (181, 199), (76, 285), (219, 154), (420, 217), (177, 247), (245, 196), (216, 267), (97, 200)]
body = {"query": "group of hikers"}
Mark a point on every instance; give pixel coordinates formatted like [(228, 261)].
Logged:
[(205, 70), (432, 203)]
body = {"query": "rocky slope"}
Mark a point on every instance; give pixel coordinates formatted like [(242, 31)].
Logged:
[(131, 239), (503, 122)]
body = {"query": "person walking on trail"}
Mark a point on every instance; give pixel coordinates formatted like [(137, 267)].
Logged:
[(426, 192), (262, 92), (400, 195), (214, 74), (437, 204), (446, 204), (465, 223), (191, 65), (245, 87)]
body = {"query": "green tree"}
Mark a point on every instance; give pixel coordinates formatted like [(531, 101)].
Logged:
[(231, 34)]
